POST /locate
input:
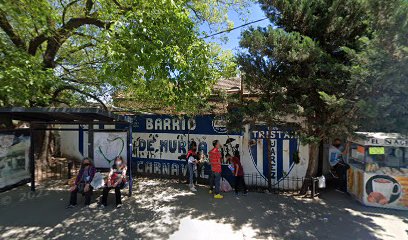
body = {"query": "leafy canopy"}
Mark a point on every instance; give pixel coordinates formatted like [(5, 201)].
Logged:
[(59, 51), (308, 66)]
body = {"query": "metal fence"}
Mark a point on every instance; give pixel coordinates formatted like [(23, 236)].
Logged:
[(57, 169), (66, 169), (254, 181)]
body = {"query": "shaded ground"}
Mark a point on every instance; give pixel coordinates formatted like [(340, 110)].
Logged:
[(161, 209)]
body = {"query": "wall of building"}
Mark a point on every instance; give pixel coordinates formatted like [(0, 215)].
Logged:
[(159, 141)]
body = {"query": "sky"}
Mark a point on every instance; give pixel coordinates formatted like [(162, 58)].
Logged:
[(234, 36)]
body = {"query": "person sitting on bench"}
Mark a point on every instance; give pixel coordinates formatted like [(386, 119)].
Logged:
[(82, 183), (116, 180)]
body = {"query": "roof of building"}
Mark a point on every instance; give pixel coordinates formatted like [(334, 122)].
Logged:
[(62, 115)]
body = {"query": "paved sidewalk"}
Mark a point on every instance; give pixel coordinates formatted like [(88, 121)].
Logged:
[(162, 209)]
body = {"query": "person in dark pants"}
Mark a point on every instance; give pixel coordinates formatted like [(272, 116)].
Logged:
[(192, 161), (116, 180), (238, 173), (341, 171), (82, 183), (215, 161), (336, 160)]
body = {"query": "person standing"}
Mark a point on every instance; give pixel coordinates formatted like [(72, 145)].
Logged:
[(83, 183), (116, 180), (192, 161), (238, 174), (215, 161), (336, 153)]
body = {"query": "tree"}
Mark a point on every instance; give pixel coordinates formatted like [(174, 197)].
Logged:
[(72, 52), (58, 51), (386, 61), (305, 68)]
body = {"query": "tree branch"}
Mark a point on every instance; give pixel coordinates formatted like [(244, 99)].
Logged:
[(64, 11), (55, 42), (8, 29), (120, 6), (72, 88), (35, 43), (88, 7)]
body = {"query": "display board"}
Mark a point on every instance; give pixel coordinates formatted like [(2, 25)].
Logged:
[(107, 146), (378, 190), (14, 158)]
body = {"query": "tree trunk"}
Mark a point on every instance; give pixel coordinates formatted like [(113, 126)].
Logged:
[(43, 149), (311, 168)]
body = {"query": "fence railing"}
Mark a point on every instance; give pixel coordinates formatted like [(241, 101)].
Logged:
[(254, 181), (60, 170), (56, 170)]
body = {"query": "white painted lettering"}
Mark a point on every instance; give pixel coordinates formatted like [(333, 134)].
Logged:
[(149, 124)]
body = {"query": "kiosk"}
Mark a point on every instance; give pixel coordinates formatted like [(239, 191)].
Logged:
[(378, 173)]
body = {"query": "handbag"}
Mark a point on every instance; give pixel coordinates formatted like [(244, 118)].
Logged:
[(81, 187), (98, 181)]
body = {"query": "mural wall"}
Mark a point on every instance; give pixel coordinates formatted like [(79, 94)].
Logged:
[(160, 140), (14, 158)]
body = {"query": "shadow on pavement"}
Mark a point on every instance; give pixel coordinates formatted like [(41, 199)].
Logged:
[(163, 209)]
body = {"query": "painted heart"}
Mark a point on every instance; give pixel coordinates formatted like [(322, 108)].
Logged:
[(112, 141)]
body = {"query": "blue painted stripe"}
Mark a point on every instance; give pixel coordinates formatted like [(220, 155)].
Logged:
[(81, 140), (279, 161)]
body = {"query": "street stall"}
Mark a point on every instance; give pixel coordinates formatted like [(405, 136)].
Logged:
[(378, 173)]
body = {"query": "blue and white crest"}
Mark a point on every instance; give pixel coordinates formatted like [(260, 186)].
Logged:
[(282, 148)]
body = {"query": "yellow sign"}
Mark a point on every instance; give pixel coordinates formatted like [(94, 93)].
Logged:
[(376, 150)]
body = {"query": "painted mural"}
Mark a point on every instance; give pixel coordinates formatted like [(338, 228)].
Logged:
[(14, 158), (282, 148), (107, 146), (160, 140)]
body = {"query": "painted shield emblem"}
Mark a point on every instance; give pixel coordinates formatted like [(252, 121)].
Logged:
[(281, 149)]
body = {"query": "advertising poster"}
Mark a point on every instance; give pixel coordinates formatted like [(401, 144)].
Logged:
[(107, 146), (14, 158), (386, 191)]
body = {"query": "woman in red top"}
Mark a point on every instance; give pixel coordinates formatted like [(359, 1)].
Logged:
[(215, 161), (239, 174)]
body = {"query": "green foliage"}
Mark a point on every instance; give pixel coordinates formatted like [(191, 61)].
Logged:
[(328, 68), (23, 81), (146, 51), (303, 67), (325, 68), (383, 108)]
